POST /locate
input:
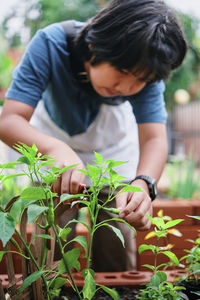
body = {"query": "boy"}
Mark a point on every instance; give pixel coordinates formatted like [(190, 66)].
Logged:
[(100, 90)]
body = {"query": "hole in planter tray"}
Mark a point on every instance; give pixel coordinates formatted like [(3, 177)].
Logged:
[(133, 275), (79, 276), (178, 273), (110, 277)]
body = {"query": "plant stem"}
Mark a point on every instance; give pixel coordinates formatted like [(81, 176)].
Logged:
[(33, 259), (93, 228), (65, 262), (156, 254)]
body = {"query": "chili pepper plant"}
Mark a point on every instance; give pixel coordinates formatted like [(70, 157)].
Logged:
[(39, 201), (159, 287), (192, 262)]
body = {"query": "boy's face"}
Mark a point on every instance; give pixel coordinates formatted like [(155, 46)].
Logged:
[(109, 82)]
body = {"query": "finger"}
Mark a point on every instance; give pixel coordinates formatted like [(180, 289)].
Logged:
[(133, 203), (65, 182), (56, 188), (147, 225), (140, 212), (121, 201), (76, 179)]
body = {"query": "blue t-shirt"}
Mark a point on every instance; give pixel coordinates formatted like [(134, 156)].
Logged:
[(44, 73)]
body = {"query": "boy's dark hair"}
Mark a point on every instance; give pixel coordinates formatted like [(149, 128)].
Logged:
[(140, 36)]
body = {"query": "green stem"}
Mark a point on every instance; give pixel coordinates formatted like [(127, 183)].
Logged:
[(33, 259), (65, 261), (156, 254), (93, 229)]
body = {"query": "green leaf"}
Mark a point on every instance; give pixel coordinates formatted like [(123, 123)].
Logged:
[(64, 233), (46, 163), (153, 220), (66, 168), (35, 211), (30, 279), (172, 256), (89, 287), (94, 171), (44, 236), (65, 197), (98, 157), (7, 226), (113, 163), (84, 202), (155, 280), (2, 254), (12, 176), (194, 217), (145, 247), (114, 294), (58, 283), (162, 276), (82, 241), (118, 233), (71, 257), (149, 267), (130, 188), (10, 165), (84, 172), (24, 160), (17, 208), (33, 193), (173, 223)]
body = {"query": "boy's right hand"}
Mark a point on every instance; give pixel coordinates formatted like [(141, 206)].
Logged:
[(71, 179)]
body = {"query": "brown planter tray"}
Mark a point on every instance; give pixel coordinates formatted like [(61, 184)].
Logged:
[(126, 278)]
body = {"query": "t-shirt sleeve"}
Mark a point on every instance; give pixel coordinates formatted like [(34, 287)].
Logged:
[(149, 105), (31, 76)]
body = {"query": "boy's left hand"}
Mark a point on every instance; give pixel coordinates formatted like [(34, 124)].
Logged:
[(134, 206)]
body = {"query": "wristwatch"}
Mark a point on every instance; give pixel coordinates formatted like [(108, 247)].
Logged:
[(151, 183)]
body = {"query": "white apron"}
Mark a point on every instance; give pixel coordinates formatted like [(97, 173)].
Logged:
[(113, 134)]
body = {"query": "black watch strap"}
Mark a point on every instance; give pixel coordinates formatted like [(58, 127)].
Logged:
[(151, 183)]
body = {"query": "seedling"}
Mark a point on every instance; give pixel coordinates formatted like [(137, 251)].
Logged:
[(159, 287), (192, 259), (38, 200)]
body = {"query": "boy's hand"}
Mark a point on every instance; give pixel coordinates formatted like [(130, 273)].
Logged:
[(134, 206), (70, 180)]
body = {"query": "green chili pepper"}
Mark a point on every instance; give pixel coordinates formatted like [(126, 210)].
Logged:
[(51, 213), (112, 210)]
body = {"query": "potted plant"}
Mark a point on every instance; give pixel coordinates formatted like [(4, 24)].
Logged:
[(38, 203)]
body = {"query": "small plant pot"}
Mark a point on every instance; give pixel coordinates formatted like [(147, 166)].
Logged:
[(190, 288)]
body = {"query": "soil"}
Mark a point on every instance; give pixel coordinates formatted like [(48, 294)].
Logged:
[(125, 293), (191, 287)]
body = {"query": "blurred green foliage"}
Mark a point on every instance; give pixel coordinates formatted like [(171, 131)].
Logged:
[(6, 67), (189, 72), (184, 178), (60, 10)]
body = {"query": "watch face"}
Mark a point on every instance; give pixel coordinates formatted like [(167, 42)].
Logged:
[(151, 182)]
